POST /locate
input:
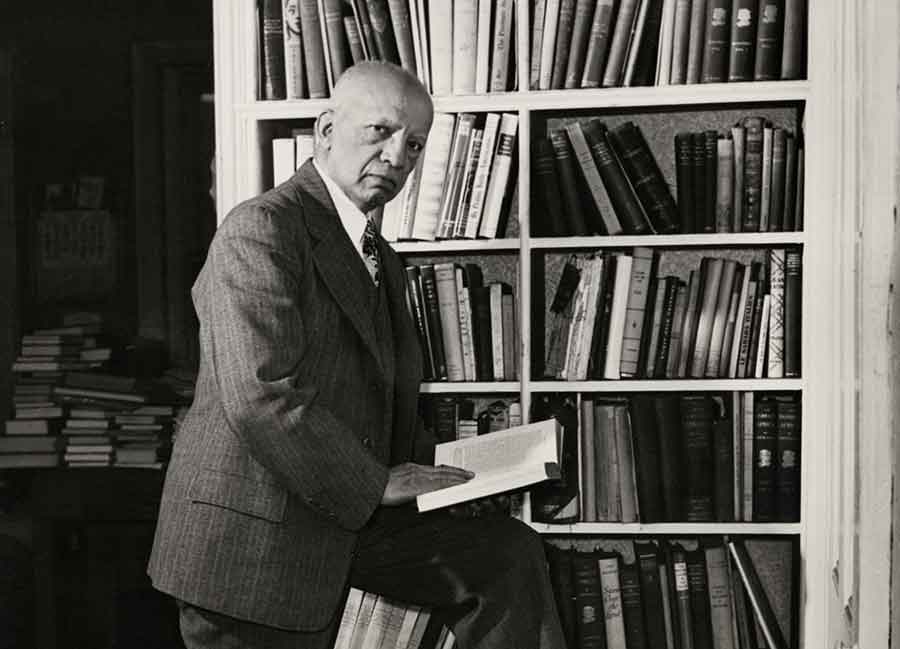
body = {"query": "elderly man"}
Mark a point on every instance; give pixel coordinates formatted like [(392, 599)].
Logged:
[(293, 474)]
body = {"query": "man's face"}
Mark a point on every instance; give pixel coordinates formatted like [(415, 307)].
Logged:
[(374, 142)]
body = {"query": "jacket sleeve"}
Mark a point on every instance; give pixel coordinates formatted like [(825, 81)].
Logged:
[(256, 327)]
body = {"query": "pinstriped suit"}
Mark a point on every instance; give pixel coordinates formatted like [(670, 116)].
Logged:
[(306, 394)]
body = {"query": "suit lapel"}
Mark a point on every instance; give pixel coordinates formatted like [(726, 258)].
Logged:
[(334, 255)]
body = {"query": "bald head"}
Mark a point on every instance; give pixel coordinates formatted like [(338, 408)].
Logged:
[(370, 138)]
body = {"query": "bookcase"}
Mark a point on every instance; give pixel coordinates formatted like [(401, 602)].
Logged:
[(245, 126)]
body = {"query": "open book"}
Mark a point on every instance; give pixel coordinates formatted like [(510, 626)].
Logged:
[(501, 461)]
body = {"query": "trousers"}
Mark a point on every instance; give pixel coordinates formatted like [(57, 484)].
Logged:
[(486, 577)]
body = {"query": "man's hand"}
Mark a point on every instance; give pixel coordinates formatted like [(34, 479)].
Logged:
[(406, 481)]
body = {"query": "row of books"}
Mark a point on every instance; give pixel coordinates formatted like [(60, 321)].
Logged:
[(462, 183), (467, 327), (615, 316), (453, 417), (604, 43), (462, 47), (749, 179), (374, 621), (738, 182), (706, 592), (69, 347)]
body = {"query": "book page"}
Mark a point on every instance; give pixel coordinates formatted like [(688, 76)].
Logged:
[(501, 451)]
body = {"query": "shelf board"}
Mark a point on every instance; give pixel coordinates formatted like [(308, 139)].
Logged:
[(455, 245), (684, 529), (452, 387), (670, 240), (668, 385), (679, 97)]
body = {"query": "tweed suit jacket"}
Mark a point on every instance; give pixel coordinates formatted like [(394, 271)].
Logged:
[(298, 414)]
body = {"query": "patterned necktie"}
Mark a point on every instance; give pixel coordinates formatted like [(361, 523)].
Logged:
[(370, 250)]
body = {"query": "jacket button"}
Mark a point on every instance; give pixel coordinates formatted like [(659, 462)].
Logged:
[(367, 442)]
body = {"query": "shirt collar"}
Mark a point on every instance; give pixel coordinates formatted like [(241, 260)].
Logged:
[(352, 218)]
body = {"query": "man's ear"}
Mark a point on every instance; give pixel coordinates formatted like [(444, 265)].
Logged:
[(324, 126)]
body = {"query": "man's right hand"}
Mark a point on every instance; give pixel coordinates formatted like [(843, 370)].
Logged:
[(406, 481)]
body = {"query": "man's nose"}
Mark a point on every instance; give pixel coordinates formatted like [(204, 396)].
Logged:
[(394, 151)]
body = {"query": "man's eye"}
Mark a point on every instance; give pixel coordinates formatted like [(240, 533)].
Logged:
[(416, 147), (378, 129)]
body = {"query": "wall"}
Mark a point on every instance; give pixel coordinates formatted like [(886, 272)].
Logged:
[(73, 100)]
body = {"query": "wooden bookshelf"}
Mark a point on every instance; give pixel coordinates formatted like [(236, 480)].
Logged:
[(244, 124)]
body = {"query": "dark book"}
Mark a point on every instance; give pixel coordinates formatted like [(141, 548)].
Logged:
[(698, 173), (273, 50), (433, 318), (567, 173), (417, 306), (645, 66), (793, 53), (556, 501), (753, 289), (551, 218), (626, 15), (598, 44), (602, 320), (696, 41), (756, 323), (718, 41), (382, 29), (338, 48), (581, 30), (621, 194), (801, 181), (564, 28), (684, 180), (788, 460), (560, 315), (666, 408), (710, 175), (679, 595), (753, 166), (646, 444), (790, 182), (779, 169), (361, 10), (723, 467), (445, 417), (632, 606), (480, 297), (698, 586), (697, 456), (765, 475), (793, 287), (646, 177), (403, 34), (354, 39), (669, 285), (653, 286), (588, 601), (313, 50), (769, 39), (647, 559), (743, 40), (560, 562), (762, 607)]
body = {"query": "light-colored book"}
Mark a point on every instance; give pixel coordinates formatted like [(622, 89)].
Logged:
[(627, 477), (720, 318), (483, 46), (456, 170), (502, 45), (496, 300), (466, 331), (448, 309), (432, 183), (763, 342), (747, 456), (499, 177), (613, 360), (501, 461), (612, 602), (641, 268), (664, 54), (591, 174), (711, 282), (615, 63), (680, 42), (363, 617), (766, 190), (482, 176), (548, 44), (588, 476), (721, 599), (465, 45), (775, 362), (440, 23), (283, 164)]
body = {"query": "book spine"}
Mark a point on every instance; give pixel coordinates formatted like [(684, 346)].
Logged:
[(725, 184), (765, 436), (482, 50), (500, 173), (732, 325), (456, 161), (273, 50), (718, 33), (649, 52), (720, 318), (496, 307), (313, 50), (710, 167), (581, 30), (737, 135), (431, 186), (445, 283), (615, 62), (646, 445), (294, 66), (440, 23), (743, 40), (765, 616), (697, 454), (666, 37), (689, 328), (788, 461), (480, 297), (696, 41), (667, 408), (403, 29), (651, 592), (790, 182), (467, 342), (721, 601), (548, 218), (723, 469), (548, 43), (753, 174), (380, 16), (646, 177), (361, 12), (698, 166), (470, 167), (588, 600), (698, 585), (337, 39), (632, 607), (793, 286), (591, 174), (629, 214), (680, 42), (612, 601), (598, 44), (433, 317), (769, 39), (537, 35), (766, 183), (682, 598), (711, 273), (776, 197), (763, 337), (617, 318), (666, 325), (354, 40), (684, 181), (564, 27), (681, 301), (793, 56), (482, 175), (775, 362), (502, 45), (635, 310), (465, 44)]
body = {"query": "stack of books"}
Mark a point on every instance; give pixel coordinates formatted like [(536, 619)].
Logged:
[(371, 620), (604, 43), (461, 48)]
